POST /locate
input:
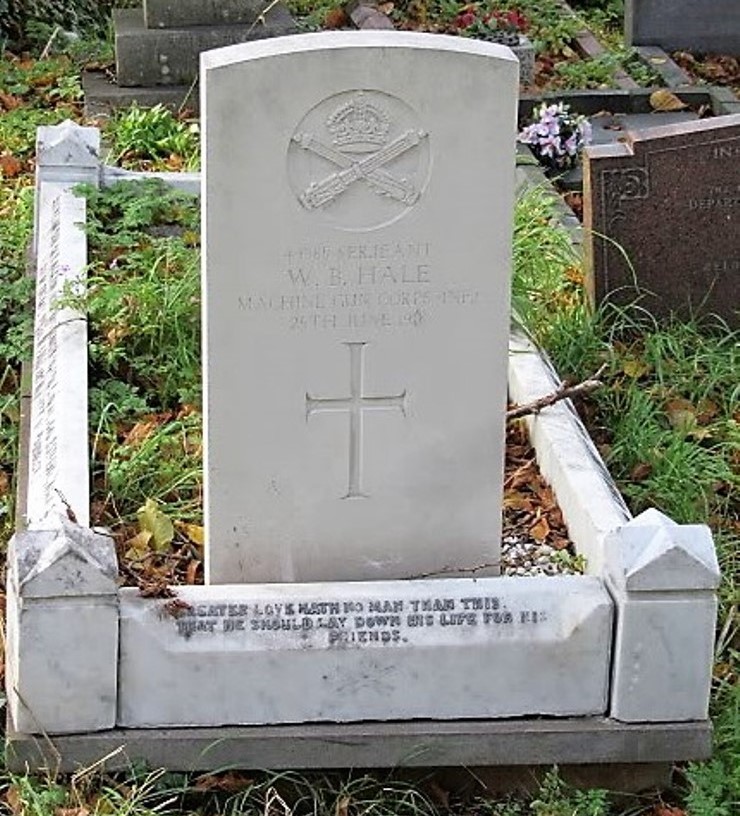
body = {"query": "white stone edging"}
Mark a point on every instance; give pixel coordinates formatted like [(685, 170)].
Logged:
[(63, 575), (567, 457)]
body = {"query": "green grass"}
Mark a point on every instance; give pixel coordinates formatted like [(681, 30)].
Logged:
[(154, 136), (668, 425)]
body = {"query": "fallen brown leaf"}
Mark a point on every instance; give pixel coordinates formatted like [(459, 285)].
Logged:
[(517, 501), (14, 800), (440, 795), (9, 102), (668, 810), (10, 167), (156, 587), (641, 471), (681, 413), (140, 431), (230, 782), (191, 573), (193, 532), (664, 100), (540, 530), (337, 18), (559, 542), (73, 811)]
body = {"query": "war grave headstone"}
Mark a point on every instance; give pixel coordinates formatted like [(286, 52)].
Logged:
[(707, 26), (356, 265), (661, 218), (372, 346)]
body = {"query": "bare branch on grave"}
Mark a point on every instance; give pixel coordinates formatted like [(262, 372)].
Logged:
[(564, 392), (454, 571)]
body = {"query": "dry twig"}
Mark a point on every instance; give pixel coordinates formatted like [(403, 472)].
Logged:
[(564, 392)]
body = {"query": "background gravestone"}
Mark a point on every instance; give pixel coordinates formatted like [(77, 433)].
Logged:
[(711, 26), (160, 44), (158, 47), (357, 264), (668, 198)]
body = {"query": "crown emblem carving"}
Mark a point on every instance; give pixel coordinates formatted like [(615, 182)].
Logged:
[(358, 126)]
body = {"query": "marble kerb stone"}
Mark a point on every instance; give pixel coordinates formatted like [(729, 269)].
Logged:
[(249, 654)]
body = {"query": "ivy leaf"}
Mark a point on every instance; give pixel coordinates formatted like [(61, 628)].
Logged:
[(154, 521)]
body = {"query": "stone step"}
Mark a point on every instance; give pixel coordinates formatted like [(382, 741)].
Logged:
[(180, 13), (147, 56), (103, 95)]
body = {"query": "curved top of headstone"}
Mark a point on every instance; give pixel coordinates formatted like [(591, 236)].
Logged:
[(330, 40), (652, 553), (68, 145)]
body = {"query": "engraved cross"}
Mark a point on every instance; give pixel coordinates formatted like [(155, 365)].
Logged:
[(355, 404)]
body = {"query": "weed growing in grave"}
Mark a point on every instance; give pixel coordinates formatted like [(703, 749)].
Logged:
[(601, 71), (311, 14), (16, 316), (546, 280), (16, 291), (143, 302), (33, 93), (714, 786), (155, 136), (35, 797), (604, 17), (323, 793), (556, 799), (552, 29), (136, 793)]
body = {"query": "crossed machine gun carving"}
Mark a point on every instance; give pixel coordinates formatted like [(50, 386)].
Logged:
[(368, 169)]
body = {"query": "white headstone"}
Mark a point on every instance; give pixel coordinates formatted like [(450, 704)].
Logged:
[(357, 211)]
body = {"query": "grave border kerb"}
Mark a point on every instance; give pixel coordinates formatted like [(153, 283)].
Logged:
[(624, 738)]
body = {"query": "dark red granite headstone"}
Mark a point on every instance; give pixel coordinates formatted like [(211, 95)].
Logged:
[(669, 199)]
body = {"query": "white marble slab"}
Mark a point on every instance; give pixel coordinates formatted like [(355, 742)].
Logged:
[(62, 631), (58, 478), (663, 577), (356, 294), (441, 649)]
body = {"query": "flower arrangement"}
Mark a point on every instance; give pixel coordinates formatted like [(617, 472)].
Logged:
[(557, 135), (494, 26)]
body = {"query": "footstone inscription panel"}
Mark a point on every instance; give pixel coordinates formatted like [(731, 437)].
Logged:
[(58, 470), (356, 281), (661, 217), (441, 649)]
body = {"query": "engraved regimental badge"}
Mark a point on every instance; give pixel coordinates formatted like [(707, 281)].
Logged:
[(359, 160)]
